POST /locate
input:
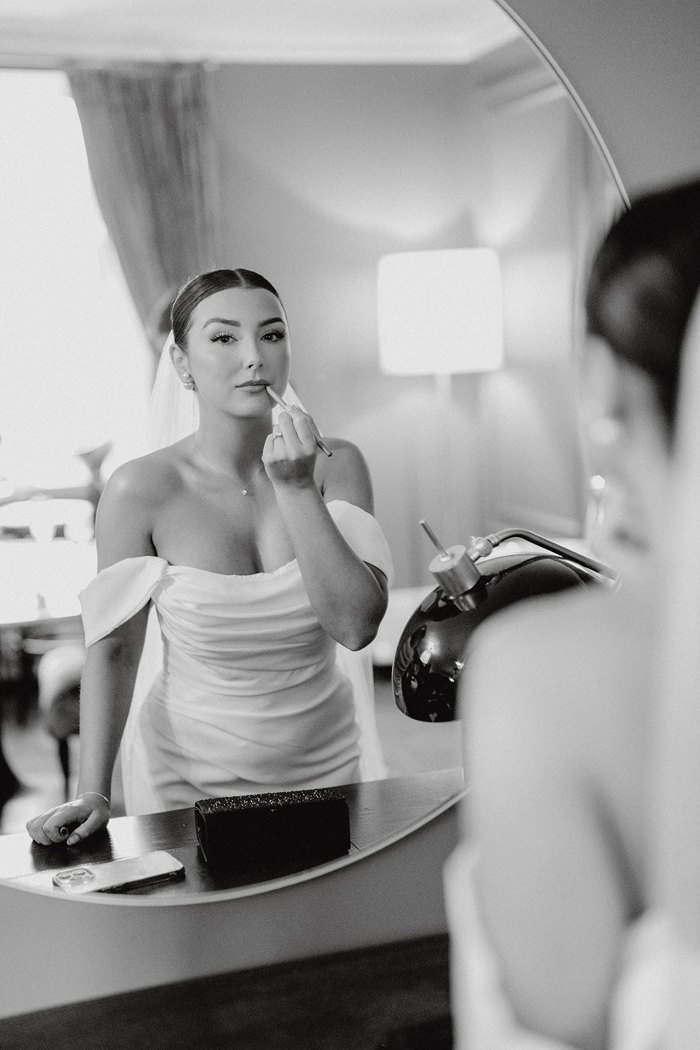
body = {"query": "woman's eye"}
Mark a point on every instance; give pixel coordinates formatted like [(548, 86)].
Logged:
[(274, 336), (224, 337)]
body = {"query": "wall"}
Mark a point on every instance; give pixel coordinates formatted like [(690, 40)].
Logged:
[(325, 169), (550, 198), (634, 66)]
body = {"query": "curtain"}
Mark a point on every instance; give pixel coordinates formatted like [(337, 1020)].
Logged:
[(153, 159)]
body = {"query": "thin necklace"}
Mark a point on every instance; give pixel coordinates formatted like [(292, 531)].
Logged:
[(220, 470)]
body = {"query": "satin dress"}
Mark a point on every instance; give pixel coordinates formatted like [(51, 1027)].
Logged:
[(247, 692)]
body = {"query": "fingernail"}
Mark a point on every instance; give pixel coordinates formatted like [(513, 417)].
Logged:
[(72, 840)]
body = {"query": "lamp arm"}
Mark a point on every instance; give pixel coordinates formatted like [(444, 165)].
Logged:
[(482, 546)]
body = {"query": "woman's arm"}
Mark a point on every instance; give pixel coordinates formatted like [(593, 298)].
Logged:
[(122, 530), (348, 596), (106, 688)]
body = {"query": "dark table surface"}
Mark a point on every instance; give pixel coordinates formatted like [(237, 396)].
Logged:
[(380, 811)]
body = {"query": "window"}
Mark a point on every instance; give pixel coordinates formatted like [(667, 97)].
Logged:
[(74, 359)]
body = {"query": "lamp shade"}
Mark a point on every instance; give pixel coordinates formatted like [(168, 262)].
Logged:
[(440, 312), (433, 648)]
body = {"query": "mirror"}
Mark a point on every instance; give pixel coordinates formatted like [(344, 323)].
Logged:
[(410, 136)]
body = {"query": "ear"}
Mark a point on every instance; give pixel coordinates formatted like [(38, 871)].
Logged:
[(178, 358)]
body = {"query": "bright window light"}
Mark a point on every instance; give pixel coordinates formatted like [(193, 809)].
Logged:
[(75, 359)]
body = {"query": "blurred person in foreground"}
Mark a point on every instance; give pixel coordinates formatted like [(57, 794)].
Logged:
[(574, 899)]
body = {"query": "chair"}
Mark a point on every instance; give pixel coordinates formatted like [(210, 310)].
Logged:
[(58, 675)]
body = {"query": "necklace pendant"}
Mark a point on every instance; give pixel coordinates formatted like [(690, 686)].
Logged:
[(244, 492)]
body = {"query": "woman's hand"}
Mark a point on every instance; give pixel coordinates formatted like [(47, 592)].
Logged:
[(289, 454), (72, 822)]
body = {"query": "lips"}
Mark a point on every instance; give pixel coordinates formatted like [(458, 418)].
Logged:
[(253, 385)]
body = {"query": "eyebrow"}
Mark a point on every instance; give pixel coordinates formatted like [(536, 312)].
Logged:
[(237, 324)]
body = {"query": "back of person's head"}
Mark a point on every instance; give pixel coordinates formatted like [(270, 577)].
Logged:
[(643, 283), (202, 286)]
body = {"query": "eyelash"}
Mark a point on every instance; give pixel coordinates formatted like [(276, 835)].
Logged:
[(229, 337)]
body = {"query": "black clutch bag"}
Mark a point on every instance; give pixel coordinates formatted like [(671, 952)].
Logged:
[(286, 829)]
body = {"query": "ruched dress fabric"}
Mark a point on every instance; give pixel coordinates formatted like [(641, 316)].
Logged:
[(249, 692)]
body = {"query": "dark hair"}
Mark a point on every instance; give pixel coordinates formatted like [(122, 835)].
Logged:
[(198, 288), (644, 281), (158, 323)]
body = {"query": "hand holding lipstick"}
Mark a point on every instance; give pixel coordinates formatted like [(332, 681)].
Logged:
[(283, 404)]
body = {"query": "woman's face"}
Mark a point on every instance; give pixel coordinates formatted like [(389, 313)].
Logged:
[(628, 446), (237, 346)]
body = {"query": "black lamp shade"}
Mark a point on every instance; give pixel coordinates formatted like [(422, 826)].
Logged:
[(430, 654)]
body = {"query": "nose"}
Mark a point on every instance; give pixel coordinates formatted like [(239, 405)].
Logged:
[(252, 357)]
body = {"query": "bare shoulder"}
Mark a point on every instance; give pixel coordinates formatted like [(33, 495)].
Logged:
[(345, 474), (582, 651), (133, 496), (147, 478), (557, 690), (345, 448)]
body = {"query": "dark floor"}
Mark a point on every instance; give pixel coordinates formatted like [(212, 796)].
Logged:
[(387, 997), (409, 747)]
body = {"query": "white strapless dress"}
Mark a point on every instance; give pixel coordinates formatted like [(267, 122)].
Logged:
[(247, 692)]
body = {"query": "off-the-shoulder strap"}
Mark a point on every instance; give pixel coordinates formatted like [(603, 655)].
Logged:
[(117, 593), (364, 534)]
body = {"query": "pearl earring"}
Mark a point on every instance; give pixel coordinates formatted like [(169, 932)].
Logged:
[(188, 381)]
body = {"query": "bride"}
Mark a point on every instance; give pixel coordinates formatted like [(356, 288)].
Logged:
[(262, 560), (574, 900)]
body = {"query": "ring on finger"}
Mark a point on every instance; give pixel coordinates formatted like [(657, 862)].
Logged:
[(276, 432)]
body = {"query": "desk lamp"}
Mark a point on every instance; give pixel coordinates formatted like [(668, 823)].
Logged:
[(473, 583)]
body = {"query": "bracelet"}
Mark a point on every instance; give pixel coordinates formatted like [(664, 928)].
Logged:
[(98, 795)]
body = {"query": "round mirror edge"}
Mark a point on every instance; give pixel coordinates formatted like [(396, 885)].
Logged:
[(574, 97), (317, 872)]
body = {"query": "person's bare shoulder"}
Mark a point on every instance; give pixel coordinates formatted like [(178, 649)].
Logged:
[(345, 474), (573, 634), (148, 478), (133, 496), (563, 683), (575, 651)]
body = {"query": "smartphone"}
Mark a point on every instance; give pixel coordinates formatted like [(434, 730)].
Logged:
[(115, 875)]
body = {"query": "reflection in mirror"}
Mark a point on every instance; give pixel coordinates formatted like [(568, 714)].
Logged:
[(308, 172)]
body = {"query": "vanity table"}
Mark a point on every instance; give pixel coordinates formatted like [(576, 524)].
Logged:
[(386, 890)]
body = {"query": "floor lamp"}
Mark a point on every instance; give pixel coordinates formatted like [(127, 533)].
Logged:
[(440, 312)]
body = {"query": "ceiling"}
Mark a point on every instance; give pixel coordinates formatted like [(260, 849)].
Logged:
[(361, 31)]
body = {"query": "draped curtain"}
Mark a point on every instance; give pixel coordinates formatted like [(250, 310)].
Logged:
[(153, 159)]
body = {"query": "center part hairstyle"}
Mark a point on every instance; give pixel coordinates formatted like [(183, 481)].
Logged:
[(173, 412), (199, 288)]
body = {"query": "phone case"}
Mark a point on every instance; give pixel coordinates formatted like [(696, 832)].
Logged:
[(125, 874)]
